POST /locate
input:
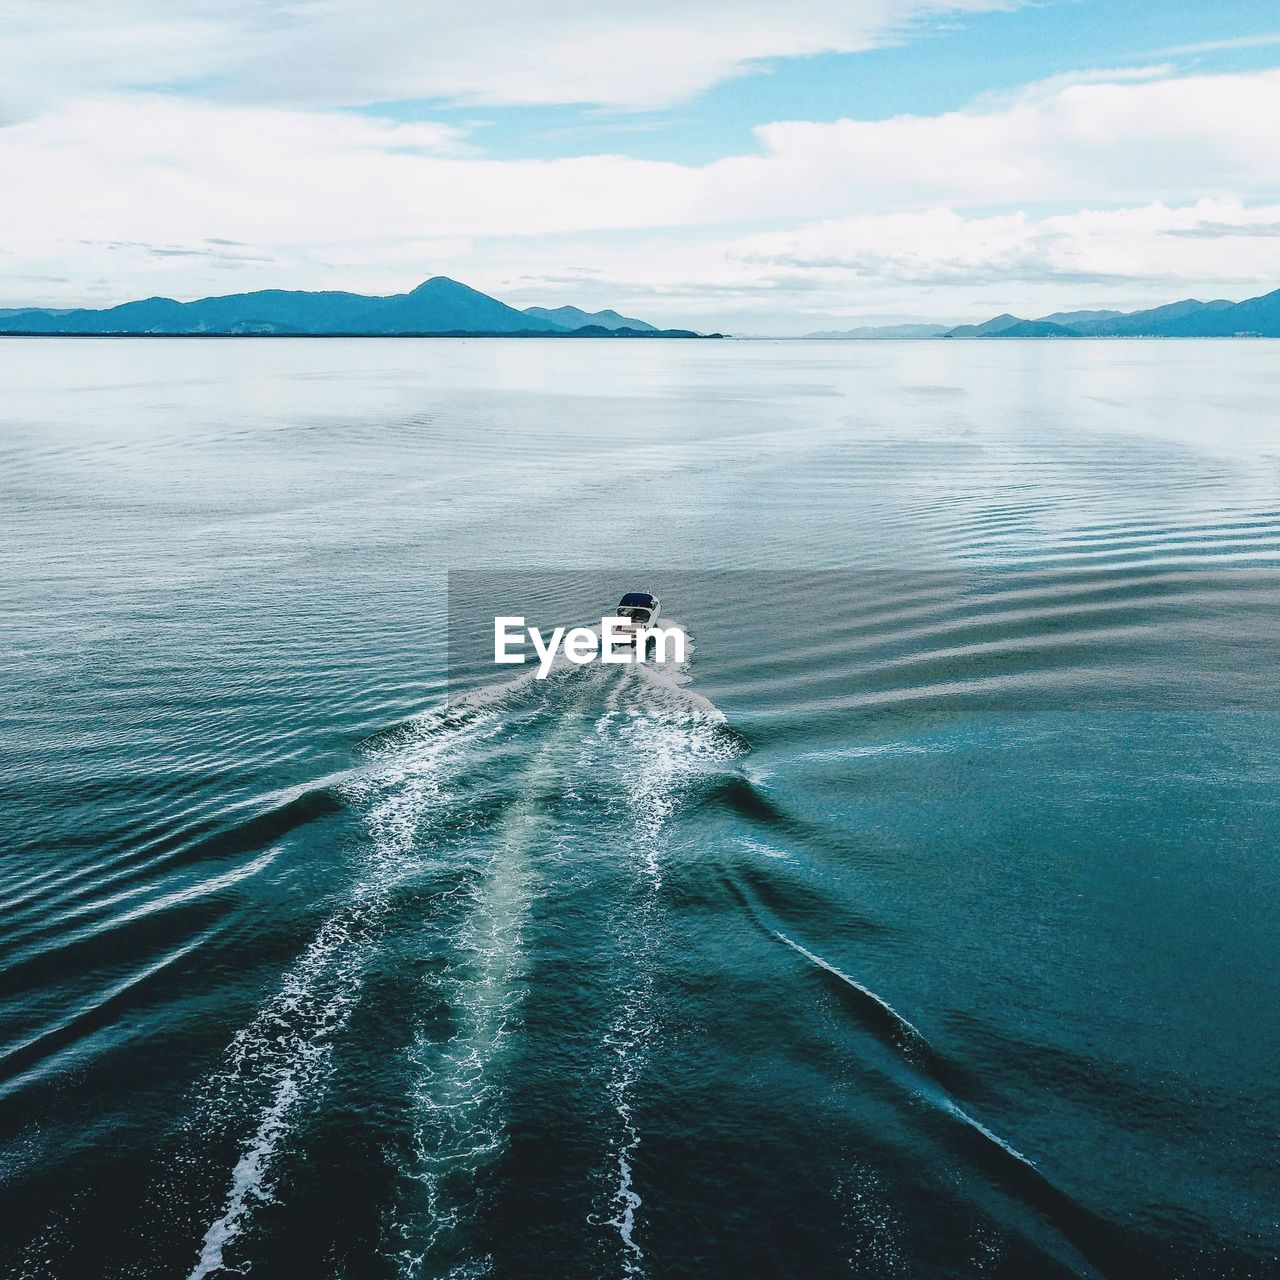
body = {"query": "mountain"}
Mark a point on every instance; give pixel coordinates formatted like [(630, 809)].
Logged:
[(1073, 318), (437, 306), (1007, 326), (1155, 322), (1032, 329), (1255, 317), (1190, 318), (444, 305), (883, 331), (987, 329), (599, 331), (575, 318), (267, 311)]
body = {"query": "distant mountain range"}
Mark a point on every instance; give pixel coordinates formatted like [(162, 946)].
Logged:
[(1253, 318), (885, 331), (574, 318), (438, 307)]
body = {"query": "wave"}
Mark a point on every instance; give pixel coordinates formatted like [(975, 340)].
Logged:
[(278, 1065), (670, 745), (473, 799), (638, 738), (1089, 1245), (456, 1102)]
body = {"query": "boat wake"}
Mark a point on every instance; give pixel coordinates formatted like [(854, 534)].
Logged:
[(662, 743), (277, 1066), (472, 811)]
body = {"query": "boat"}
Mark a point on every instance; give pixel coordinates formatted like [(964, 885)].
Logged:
[(639, 609)]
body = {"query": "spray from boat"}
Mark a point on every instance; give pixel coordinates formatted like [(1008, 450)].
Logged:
[(432, 809)]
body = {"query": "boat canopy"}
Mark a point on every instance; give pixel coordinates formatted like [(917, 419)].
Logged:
[(636, 600)]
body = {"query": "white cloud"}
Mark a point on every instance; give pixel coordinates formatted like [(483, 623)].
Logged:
[(1260, 41), (129, 195), (167, 170), (1125, 254), (499, 52), (1108, 140), (144, 168), (937, 264)]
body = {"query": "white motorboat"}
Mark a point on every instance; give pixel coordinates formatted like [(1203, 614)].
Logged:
[(638, 609)]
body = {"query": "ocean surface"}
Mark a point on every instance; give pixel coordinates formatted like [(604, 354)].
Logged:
[(923, 924)]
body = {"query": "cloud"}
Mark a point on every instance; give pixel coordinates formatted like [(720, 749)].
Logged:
[(939, 247), (1112, 247), (1260, 41), (1217, 230), (494, 52), (1117, 141), (226, 252), (1039, 90), (937, 264), (1149, 170), (168, 171)]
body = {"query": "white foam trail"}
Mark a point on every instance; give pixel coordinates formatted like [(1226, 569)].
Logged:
[(288, 1046), (286, 1051), (626, 1199), (671, 736), (991, 1136), (910, 1031), (248, 1178), (910, 1034), (458, 1099)]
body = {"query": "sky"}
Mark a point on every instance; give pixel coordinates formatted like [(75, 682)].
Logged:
[(736, 165)]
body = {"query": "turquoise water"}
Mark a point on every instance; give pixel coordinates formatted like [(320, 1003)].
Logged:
[(924, 927)]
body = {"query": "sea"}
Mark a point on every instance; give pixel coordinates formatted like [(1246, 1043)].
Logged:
[(920, 923)]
